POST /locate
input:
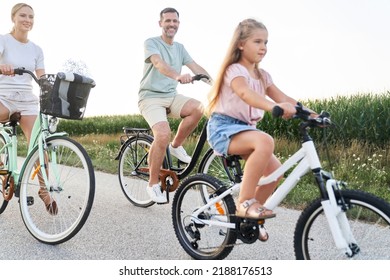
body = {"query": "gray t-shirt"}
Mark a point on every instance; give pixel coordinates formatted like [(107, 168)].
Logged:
[(27, 55), (154, 84)]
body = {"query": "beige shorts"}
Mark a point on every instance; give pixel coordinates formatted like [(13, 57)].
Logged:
[(154, 110), (26, 104)]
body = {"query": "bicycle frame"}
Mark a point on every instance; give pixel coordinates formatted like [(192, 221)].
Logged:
[(10, 144), (39, 134), (182, 173), (306, 159)]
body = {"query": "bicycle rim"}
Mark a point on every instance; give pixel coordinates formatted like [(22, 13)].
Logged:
[(72, 187), (369, 219), (198, 240), (134, 183)]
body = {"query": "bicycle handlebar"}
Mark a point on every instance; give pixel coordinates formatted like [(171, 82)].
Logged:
[(21, 71), (199, 77), (301, 113)]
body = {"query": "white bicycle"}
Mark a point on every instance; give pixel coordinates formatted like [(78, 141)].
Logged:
[(339, 224)]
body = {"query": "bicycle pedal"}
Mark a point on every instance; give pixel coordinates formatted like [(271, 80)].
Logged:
[(30, 200)]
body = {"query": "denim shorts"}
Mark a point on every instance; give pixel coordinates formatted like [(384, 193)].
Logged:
[(220, 129)]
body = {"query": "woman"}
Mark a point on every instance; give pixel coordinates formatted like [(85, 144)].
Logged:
[(16, 91)]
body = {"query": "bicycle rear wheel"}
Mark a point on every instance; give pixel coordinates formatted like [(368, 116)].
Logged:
[(133, 181), (369, 219), (4, 157), (201, 241), (71, 185)]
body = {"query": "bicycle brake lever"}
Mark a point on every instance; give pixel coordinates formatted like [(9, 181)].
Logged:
[(326, 121)]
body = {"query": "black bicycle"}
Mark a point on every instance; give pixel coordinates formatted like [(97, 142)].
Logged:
[(133, 168)]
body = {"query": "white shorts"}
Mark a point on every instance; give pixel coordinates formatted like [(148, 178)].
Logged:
[(25, 103)]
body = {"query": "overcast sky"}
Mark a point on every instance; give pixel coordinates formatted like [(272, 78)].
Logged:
[(316, 49)]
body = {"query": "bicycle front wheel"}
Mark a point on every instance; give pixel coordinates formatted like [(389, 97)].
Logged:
[(202, 241), (368, 217), (71, 185), (134, 181)]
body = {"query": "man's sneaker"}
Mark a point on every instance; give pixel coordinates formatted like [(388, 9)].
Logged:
[(155, 193), (180, 153)]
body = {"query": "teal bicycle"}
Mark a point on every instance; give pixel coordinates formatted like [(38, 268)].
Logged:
[(56, 182)]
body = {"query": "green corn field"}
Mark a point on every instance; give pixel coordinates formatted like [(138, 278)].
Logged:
[(356, 148)]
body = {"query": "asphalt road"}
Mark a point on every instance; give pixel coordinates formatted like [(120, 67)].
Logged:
[(117, 230)]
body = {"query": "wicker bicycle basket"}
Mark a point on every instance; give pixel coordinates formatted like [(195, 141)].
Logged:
[(64, 95)]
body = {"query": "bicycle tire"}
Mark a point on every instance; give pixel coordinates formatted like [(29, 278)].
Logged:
[(4, 156), (217, 167), (369, 219), (72, 185), (214, 242), (133, 184)]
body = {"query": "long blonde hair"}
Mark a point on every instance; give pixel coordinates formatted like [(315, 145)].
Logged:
[(242, 32), (15, 9)]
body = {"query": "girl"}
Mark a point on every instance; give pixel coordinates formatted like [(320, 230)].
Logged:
[(237, 101)]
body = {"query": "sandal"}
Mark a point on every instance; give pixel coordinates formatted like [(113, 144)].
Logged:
[(263, 234), (248, 209), (50, 203)]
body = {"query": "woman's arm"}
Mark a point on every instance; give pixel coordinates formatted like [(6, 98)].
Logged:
[(40, 72)]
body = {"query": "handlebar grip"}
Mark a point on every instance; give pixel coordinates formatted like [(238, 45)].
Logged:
[(198, 77), (277, 111), (19, 71)]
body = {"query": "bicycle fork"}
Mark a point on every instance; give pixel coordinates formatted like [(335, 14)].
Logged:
[(338, 222)]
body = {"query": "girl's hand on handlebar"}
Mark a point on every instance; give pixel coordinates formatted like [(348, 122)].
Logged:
[(289, 110), (6, 69)]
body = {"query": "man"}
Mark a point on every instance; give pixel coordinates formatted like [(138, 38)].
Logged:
[(158, 97)]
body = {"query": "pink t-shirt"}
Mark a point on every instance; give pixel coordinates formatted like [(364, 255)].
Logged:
[(231, 104)]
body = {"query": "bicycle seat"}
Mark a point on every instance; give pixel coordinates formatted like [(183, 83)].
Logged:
[(14, 118)]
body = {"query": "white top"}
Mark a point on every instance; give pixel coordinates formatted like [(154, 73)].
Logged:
[(27, 55)]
